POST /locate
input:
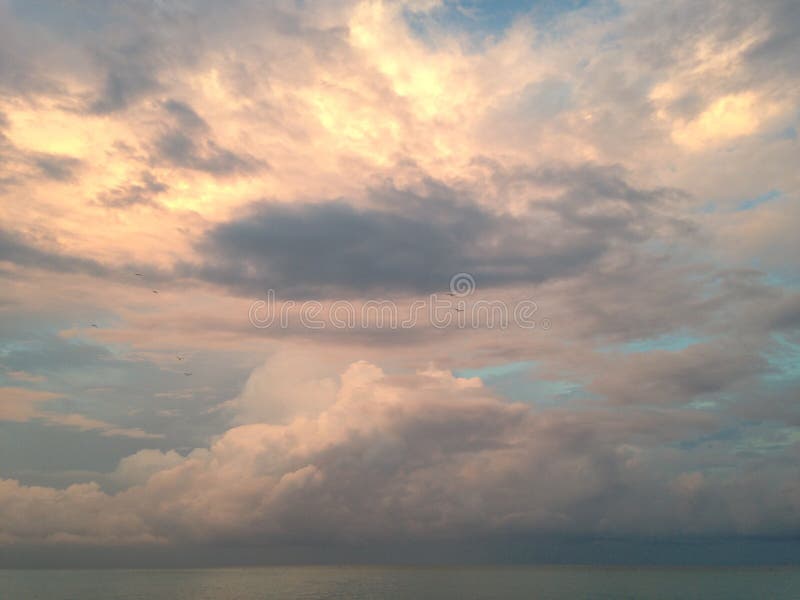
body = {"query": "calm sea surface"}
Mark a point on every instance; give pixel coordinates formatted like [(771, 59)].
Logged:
[(412, 583)]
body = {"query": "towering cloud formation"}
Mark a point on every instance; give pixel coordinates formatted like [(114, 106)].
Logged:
[(420, 456)]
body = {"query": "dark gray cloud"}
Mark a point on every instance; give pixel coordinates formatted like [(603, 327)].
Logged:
[(141, 193), (59, 168), (416, 241), (774, 54), (126, 81), (16, 249), (185, 115), (702, 371), (188, 143), (181, 150), (25, 251)]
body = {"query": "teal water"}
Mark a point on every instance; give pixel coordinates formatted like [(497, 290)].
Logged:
[(396, 583)]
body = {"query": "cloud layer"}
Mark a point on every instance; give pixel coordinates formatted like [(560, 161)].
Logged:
[(422, 456), (627, 167)]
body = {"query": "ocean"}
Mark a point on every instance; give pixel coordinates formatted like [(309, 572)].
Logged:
[(402, 583)]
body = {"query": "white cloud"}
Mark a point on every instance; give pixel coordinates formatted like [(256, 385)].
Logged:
[(413, 456)]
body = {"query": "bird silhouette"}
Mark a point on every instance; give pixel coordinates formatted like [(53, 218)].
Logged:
[(155, 291), (94, 325)]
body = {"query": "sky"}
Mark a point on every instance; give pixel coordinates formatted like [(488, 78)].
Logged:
[(390, 281)]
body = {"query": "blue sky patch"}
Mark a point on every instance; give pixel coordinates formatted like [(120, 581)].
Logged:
[(752, 203), (671, 342), (784, 359), (518, 382), (486, 17)]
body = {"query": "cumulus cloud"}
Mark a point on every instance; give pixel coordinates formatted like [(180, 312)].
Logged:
[(46, 515), (286, 386), (418, 456), (137, 468)]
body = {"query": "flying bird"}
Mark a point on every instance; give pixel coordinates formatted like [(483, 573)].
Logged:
[(155, 291), (179, 357), (94, 325), (138, 274)]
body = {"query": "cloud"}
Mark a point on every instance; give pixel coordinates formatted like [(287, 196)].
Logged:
[(354, 150), (416, 241), (141, 193), (697, 372), (138, 468), (285, 387), (16, 249), (188, 144), (20, 165), (20, 405), (24, 376), (84, 423), (407, 239), (130, 58), (421, 456), (47, 515), (60, 168), (728, 117)]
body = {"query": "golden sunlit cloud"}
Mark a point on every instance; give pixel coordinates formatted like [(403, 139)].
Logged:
[(729, 117)]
